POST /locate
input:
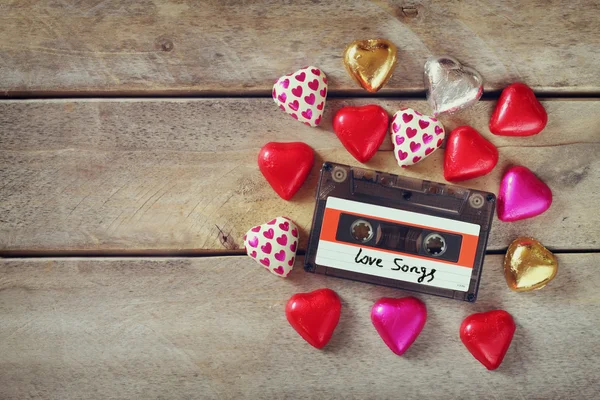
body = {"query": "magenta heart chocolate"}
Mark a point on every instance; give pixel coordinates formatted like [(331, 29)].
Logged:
[(522, 195), (273, 245), (399, 321)]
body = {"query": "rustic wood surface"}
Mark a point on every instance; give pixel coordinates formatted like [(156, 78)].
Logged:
[(153, 176), (216, 328), (167, 47), (117, 175)]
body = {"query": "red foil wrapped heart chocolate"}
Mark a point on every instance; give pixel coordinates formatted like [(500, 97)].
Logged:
[(273, 245), (522, 195), (468, 155), (518, 112), (361, 130), (487, 336), (314, 315), (285, 166)]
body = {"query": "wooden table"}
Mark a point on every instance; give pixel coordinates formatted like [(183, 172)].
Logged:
[(128, 141)]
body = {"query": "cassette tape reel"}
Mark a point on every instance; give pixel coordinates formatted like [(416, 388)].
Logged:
[(407, 233)]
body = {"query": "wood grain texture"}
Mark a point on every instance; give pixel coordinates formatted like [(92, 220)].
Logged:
[(168, 174), (216, 46), (216, 328)]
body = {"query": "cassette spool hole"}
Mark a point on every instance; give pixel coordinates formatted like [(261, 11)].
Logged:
[(434, 244), (339, 174), (361, 230), (476, 200)]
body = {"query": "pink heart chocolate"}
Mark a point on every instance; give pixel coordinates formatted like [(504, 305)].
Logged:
[(399, 321), (522, 195)]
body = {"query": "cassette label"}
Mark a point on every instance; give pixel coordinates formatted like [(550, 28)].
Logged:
[(397, 244)]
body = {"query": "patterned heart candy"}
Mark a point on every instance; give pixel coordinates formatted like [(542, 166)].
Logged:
[(415, 136), (273, 245), (302, 94)]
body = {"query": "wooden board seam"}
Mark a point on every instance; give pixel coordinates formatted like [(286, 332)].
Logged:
[(19, 254), (262, 94)]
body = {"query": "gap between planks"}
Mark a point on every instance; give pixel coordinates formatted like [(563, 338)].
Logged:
[(191, 253), (262, 94)]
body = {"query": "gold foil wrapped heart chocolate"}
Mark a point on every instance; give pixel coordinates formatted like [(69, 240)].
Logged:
[(528, 265), (371, 62)]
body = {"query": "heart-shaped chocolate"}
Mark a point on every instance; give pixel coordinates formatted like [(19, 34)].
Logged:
[(314, 315), (302, 94), (528, 265), (399, 321), (522, 195), (487, 336), (450, 85), (285, 166), (371, 62), (273, 245), (361, 129), (518, 112), (468, 155), (415, 136)]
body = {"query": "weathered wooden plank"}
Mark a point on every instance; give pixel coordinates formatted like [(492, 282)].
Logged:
[(122, 175), (159, 46), (215, 328)]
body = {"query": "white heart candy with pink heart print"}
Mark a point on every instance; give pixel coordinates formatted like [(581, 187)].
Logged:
[(415, 136), (273, 245), (302, 94)]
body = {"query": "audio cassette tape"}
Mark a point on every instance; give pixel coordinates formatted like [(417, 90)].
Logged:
[(407, 233)]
